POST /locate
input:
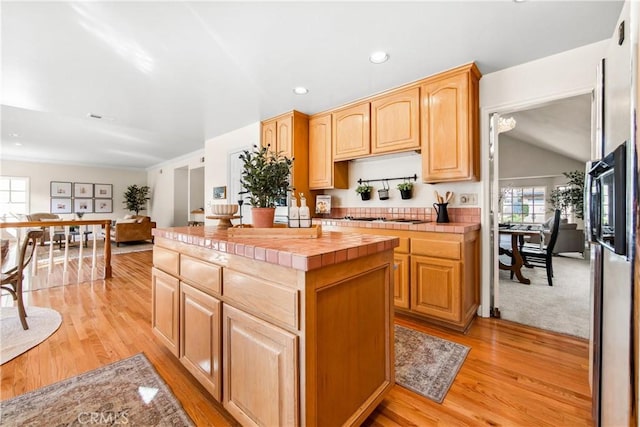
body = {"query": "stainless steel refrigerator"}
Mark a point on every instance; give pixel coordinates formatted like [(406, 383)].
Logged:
[(611, 189)]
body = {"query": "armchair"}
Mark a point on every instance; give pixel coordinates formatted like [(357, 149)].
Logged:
[(132, 229), (570, 239), (45, 216)]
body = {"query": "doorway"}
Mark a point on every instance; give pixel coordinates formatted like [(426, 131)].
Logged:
[(528, 167), (180, 196)]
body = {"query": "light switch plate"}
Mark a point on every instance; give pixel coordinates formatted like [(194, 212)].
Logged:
[(468, 199)]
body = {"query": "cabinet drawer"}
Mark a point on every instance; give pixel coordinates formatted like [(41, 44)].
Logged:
[(166, 260), (436, 248), (277, 302), (403, 247), (201, 274)]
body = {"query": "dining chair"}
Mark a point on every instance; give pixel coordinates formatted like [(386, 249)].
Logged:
[(11, 280), (535, 256)]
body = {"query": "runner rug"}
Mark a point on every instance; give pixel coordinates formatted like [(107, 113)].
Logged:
[(129, 391), (427, 365)]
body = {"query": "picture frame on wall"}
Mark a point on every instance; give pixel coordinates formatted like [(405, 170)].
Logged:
[(82, 190), (83, 205), (61, 205), (103, 206), (220, 192), (60, 189), (103, 191)]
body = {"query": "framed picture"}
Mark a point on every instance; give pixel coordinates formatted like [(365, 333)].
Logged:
[(60, 206), (323, 204), (103, 206), (60, 189), (219, 192), (103, 191), (81, 189), (83, 205)]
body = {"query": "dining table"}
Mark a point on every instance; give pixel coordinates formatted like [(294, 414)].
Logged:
[(517, 234)]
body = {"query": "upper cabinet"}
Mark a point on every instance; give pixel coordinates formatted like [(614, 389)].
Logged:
[(395, 119), (449, 126), (323, 171), (351, 132)]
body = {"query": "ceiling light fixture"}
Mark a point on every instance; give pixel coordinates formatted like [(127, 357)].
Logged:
[(379, 57), (300, 90), (94, 116)]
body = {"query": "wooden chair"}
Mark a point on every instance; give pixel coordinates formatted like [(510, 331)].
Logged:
[(11, 280), (534, 256)]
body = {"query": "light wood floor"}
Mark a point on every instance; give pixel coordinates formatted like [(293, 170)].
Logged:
[(513, 375)]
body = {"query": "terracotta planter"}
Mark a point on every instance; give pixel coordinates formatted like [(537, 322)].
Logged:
[(262, 217)]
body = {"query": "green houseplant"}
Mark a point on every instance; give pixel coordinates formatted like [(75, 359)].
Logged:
[(571, 196), (405, 189), (265, 178), (364, 190), (136, 197)]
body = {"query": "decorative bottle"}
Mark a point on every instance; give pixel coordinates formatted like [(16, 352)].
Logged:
[(294, 213), (305, 215)]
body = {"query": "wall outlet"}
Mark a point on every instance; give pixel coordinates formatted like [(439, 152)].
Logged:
[(468, 199)]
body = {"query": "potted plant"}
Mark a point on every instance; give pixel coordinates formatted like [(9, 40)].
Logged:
[(135, 198), (405, 189), (265, 178), (364, 190), (570, 196)]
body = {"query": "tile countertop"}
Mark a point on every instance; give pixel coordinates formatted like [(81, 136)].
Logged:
[(450, 227), (298, 253)]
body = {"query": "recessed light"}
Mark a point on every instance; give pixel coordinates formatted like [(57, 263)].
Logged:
[(379, 57), (300, 90)]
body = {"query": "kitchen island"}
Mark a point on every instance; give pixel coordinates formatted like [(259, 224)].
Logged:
[(286, 331)]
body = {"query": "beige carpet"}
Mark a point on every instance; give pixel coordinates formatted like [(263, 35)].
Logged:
[(427, 365), (129, 391), (563, 307), (14, 340)]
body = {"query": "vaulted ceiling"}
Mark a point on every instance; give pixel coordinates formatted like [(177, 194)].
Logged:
[(166, 76)]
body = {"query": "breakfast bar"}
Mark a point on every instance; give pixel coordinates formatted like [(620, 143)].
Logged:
[(281, 331)]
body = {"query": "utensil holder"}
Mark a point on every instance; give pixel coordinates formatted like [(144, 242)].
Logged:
[(441, 211)]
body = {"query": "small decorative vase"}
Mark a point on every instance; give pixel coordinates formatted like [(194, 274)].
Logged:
[(441, 211), (366, 195), (263, 217), (405, 194)]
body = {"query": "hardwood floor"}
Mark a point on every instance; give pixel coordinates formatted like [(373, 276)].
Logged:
[(513, 376)]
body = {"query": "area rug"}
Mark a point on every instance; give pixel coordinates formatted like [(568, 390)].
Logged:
[(129, 391), (427, 365), (14, 340), (563, 307)]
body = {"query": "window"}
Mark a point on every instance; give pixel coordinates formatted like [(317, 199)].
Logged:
[(14, 196), (522, 204)]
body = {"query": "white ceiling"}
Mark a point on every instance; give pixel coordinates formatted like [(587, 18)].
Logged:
[(562, 126), (166, 76)]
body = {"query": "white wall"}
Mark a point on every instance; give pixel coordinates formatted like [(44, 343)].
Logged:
[(41, 175), (554, 77), (196, 189), (392, 166), (161, 180), (216, 153)]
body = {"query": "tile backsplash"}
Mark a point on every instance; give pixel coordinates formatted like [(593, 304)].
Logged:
[(424, 214)]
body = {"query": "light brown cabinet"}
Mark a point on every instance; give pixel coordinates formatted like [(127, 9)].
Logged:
[(289, 134), (401, 280), (165, 298), (260, 382), (351, 133), (435, 289), (449, 126), (395, 121), (324, 173), (200, 331)]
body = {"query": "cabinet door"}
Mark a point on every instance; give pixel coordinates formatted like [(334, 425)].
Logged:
[(260, 371), (449, 129), (395, 122), (164, 317), (351, 132), (200, 338), (401, 280), (323, 172), (269, 135), (284, 136), (435, 287)]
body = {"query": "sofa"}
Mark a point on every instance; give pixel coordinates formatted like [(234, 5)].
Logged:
[(570, 239), (132, 228)]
